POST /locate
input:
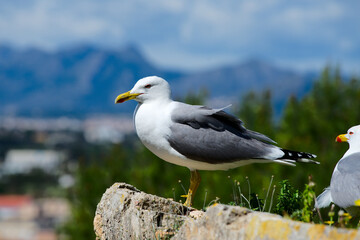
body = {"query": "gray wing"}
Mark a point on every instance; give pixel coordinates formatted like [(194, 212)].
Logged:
[(214, 136), (345, 183)]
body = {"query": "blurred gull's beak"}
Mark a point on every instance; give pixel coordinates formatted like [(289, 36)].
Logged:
[(341, 138), (126, 96)]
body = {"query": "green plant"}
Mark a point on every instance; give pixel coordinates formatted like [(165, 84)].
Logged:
[(308, 198), (289, 199), (295, 204)]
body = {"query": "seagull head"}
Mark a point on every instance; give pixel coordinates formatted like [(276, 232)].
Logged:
[(352, 136), (147, 89)]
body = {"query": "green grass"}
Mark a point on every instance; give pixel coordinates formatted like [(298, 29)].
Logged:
[(288, 202)]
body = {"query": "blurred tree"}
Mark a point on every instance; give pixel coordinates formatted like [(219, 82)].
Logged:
[(256, 112), (36, 183), (196, 98), (312, 123), (92, 178)]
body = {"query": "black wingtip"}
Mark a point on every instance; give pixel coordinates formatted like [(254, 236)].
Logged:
[(299, 156)]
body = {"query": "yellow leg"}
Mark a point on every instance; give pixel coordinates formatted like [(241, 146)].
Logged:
[(194, 184)]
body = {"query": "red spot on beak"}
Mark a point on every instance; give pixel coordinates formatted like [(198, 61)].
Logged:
[(338, 139)]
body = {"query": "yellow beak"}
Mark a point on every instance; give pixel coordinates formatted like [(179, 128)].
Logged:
[(341, 138), (126, 96)]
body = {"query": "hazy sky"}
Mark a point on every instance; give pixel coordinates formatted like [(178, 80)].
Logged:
[(191, 34)]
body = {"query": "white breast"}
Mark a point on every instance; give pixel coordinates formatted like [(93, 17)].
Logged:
[(152, 123)]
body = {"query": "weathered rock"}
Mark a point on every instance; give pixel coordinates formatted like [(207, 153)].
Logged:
[(229, 222), (126, 213)]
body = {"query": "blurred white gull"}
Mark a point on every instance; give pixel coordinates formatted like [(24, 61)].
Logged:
[(198, 137), (344, 187)]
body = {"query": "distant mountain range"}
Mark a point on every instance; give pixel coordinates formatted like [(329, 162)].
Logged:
[(85, 80)]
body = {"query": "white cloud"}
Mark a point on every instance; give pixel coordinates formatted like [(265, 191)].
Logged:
[(186, 60), (302, 20), (197, 30), (50, 24)]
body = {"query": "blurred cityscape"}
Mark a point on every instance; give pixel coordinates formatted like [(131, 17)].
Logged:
[(37, 166)]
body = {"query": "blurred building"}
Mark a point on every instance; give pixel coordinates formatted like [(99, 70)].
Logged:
[(65, 131), (24, 160), (40, 124), (25, 218), (107, 129)]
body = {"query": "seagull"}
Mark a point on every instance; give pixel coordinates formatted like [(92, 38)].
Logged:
[(344, 187), (198, 137)]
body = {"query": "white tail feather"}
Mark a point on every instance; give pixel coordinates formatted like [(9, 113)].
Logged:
[(324, 199)]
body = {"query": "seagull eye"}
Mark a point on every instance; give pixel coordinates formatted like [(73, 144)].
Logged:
[(351, 133), (148, 86)]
